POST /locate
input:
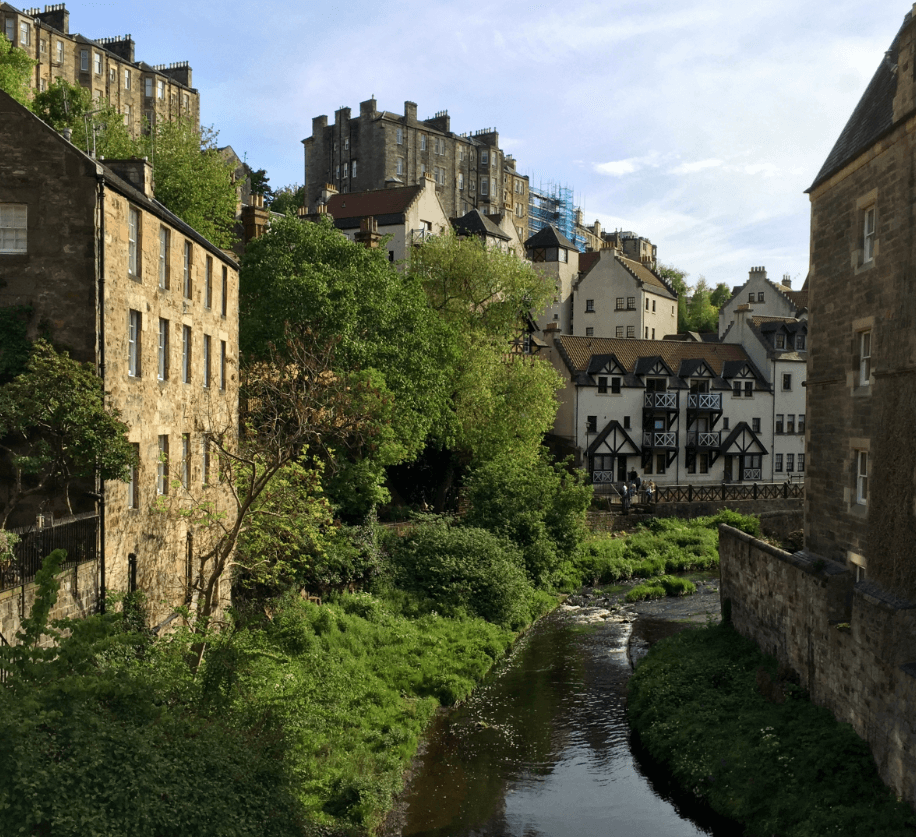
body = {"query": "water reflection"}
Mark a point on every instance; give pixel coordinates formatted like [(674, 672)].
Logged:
[(543, 749)]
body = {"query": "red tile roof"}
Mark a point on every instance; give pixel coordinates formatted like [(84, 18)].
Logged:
[(580, 350), (375, 203)]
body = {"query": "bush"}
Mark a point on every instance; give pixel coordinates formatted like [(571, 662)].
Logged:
[(463, 570), (658, 588), (539, 505)]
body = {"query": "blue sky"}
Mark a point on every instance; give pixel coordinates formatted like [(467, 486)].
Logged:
[(697, 125)]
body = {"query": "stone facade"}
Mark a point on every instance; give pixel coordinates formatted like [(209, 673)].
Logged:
[(861, 388), (154, 305), (104, 66), (380, 149), (851, 644)]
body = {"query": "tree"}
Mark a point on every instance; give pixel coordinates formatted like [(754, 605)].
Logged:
[(677, 279), (702, 315), (287, 200), (55, 429), (96, 125), (721, 295), (15, 71)]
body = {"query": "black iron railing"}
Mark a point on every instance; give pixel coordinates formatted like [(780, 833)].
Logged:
[(708, 492), (79, 536)]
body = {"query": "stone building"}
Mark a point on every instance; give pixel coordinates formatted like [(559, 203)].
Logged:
[(766, 298), (676, 412), (121, 282), (104, 66), (861, 389), (556, 258), (380, 150), (615, 296)]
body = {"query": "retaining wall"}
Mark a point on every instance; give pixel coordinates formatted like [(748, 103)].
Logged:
[(852, 644)]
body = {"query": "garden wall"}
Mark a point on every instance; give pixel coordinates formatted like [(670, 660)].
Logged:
[(78, 597), (852, 644)]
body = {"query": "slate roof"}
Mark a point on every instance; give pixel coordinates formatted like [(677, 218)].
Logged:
[(588, 260), (387, 206), (799, 298), (646, 276), (873, 116), (550, 236), (476, 223)]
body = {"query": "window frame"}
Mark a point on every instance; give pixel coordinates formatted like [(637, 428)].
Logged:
[(17, 220), (84, 61), (786, 381), (185, 461), (861, 470), (187, 262), (163, 358), (134, 343), (187, 338), (869, 226), (602, 385), (207, 358), (165, 243), (755, 424), (864, 347), (208, 284), (222, 365), (589, 306), (777, 463), (779, 424), (162, 466), (134, 241)]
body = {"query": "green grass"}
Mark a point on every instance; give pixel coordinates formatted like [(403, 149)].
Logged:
[(789, 769), (658, 588)]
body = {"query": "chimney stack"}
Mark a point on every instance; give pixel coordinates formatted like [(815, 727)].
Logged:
[(136, 171)]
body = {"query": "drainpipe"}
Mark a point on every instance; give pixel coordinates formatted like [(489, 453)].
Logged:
[(100, 355)]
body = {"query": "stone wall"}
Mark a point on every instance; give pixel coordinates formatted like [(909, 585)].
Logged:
[(78, 597), (852, 645)]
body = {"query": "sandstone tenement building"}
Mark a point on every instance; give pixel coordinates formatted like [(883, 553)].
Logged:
[(380, 149), (123, 283), (107, 67)]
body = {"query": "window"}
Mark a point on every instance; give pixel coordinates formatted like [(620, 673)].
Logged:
[(790, 423), (43, 84), (127, 79), (13, 227), (186, 354), (204, 460), (589, 332), (337, 172), (755, 425), (346, 171), (133, 479), (185, 460), (148, 84), (653, 333), (615, 386), (11, 29), (750, 297), (862, 477), (400, 166), (60, 52), (484, 185), (602, 384), (483, 158), (780, 341), (222, 365), (206, 361), (787, 381), (725, 421), (162, 469), (646, 335), (134, 331), (163, 349), (778, 463), (186, 268), (353, 168), (589, 306), (619, 303), (591, 424), (208, 284), (801, 423), (422, 142), (800, 341), (84, 60), (460, 182), (472, 183), (647, 303), (97, 63), (779, 418), (760, 296), (346, 143), (619, 331), (160, 89), (801, 462), (736, 389), (790, 462), (631, 303), (653, 306), (868, 234), (163, 258), (631, 331), (864, 358), (748, 389), (224, 300), (24, 33), (704, 463), (660, 463), (133, 242), (626, 422), (400, 136)]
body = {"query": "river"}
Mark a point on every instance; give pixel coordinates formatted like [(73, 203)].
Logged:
[(542, 748)]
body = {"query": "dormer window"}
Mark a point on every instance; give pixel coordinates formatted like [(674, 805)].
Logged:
[(780, 341), (800, 341)]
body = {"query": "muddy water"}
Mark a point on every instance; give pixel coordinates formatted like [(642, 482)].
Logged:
[(542, 749)]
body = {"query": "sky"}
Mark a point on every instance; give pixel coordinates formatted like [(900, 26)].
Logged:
[(696, 125)]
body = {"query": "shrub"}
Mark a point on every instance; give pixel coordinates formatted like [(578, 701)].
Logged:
[(539, 505), (461, 569)]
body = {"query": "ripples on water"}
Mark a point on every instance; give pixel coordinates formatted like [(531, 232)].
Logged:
[(542, 749)]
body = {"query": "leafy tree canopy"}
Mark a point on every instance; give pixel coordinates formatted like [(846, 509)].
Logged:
[(15, 71), (287, 199), (702, 312), (54, 425)]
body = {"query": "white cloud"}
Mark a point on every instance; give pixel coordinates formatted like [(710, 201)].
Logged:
[(621, 168), (699, 165)]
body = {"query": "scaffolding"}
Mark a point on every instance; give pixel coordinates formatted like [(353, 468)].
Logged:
[(553, 204)]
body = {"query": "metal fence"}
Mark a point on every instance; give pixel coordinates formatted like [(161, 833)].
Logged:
[(708, 492), (79, 536)]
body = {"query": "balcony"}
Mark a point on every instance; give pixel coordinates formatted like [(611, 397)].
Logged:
[(659, 439), (711, 401), (603, 477), (751, 474), (704, 439), (661, 401)]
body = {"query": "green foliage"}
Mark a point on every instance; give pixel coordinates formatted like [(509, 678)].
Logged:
[(663, 546), (463, 570), (535, 503), (287, 200), (702, 313), (15, 346), (54, 424), (784, 768), (658, 588), (15, 71)]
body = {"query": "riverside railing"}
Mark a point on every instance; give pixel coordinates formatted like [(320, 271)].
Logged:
[(79, 536), (707, 492)]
